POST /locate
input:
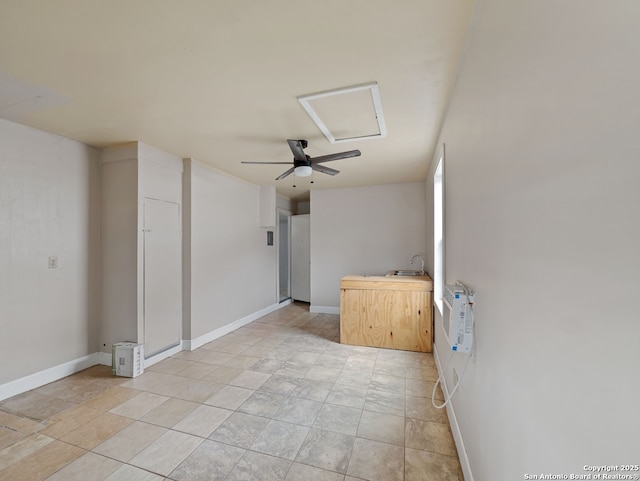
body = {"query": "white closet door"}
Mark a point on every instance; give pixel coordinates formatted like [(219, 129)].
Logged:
[(162, 276), (300, 258)]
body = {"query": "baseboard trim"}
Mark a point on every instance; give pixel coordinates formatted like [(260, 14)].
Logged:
[(33, 381), (190, 345), (38, 379), (453, 422), (324, 309), (105, 358), (150, 361)]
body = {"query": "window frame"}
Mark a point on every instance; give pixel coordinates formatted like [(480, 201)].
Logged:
[(438, 230)]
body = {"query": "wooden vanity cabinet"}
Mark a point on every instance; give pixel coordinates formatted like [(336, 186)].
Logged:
[(394, 313)]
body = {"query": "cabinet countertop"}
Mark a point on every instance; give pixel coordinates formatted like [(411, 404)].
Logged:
[(403, 283)]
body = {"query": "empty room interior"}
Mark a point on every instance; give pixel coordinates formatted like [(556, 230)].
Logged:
[(338, 241)]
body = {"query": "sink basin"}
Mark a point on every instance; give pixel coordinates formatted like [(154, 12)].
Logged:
[(407, 273)]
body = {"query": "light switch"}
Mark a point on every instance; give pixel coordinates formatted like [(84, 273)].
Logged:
[(53, 262)]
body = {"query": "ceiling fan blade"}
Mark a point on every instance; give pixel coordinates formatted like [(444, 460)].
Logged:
[(284, 174), (245, 162), (296, 147), (324, 170), (337, 156)]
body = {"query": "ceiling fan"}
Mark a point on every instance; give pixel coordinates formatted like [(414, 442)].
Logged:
[(303, 165)]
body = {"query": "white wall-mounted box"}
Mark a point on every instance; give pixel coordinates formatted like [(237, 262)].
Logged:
[(127, 359)]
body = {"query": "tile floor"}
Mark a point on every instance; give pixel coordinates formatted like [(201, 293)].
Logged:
[(278, 399)]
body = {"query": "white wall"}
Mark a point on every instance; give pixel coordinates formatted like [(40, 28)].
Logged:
[(129, 173), (363, 230), (49, 206), (542, 220), (119, 253), (233, 271), (283, 203), (303, 207)]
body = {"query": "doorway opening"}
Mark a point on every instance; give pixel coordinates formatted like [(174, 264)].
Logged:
[(284, 255)]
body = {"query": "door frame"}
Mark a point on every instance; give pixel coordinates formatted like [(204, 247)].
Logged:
[(279, 213)]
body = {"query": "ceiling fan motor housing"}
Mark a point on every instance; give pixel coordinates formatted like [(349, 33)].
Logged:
[(303, 164), (298, 163)]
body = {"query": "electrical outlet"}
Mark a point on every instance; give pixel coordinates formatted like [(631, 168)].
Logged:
[(53, 262), (455, 377)]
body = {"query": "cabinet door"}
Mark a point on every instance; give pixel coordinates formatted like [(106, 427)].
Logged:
[(363, 321), (386, 318), (410, 315), (162, 276)]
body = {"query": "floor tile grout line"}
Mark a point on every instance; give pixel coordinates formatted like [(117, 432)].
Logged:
[(292, 332)]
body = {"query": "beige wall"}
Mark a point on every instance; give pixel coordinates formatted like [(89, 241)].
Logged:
[(49, 206), (50, 195), (363, 230), (542, 220), (129, 173), (233, 271)]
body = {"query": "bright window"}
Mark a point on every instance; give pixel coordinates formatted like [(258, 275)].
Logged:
[(438, 231)]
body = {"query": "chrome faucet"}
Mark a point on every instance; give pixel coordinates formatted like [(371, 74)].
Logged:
[(421, 259)]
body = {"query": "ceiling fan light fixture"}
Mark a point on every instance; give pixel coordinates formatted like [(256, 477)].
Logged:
[(303, 165), (303, 170)]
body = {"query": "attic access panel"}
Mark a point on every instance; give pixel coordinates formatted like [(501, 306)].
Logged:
[(346, 114)]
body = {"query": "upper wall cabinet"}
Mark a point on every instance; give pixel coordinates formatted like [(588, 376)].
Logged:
[(141, 247)]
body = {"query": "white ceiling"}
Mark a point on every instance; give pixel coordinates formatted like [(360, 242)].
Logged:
[(218, 80)]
